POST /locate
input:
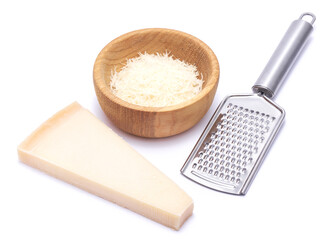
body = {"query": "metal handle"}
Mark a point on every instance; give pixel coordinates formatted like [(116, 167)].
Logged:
[(284, 56)]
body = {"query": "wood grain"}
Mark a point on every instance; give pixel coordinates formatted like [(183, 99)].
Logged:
[(155, 122)]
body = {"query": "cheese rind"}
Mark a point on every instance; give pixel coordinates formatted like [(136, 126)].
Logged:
[(76, 147)]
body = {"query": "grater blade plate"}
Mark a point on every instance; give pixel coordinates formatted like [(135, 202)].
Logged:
[(233, 145)]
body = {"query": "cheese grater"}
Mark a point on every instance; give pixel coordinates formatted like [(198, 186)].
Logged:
[(233, 145)]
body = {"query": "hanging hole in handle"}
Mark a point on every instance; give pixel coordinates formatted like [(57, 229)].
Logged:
[(308, 17)]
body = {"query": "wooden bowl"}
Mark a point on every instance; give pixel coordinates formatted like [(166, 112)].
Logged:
[(155, 122)]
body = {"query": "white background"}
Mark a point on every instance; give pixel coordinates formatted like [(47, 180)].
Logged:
[(47, 52)]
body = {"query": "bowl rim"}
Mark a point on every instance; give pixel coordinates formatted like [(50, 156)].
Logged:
[(99, 80)]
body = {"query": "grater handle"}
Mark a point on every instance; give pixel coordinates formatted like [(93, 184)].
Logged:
[(284, 56)]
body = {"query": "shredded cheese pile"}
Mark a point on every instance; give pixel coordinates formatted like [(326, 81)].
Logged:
[(156, 80)]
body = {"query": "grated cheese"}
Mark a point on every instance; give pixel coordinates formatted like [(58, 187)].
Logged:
[(156, 80)]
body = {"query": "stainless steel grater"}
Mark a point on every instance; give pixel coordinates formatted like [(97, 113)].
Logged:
[(233, 145)]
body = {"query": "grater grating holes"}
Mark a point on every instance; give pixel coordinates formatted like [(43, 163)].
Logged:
[(229, 150)]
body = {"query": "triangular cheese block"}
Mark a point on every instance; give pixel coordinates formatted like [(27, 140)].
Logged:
[(76, 147)]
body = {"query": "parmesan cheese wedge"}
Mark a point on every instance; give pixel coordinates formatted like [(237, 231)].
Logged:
[(74, 146)]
